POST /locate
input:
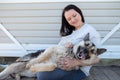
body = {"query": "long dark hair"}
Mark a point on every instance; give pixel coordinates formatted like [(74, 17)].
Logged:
[(66, 28)]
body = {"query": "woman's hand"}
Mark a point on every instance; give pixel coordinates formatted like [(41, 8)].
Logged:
[(66, 63), (68, 45)]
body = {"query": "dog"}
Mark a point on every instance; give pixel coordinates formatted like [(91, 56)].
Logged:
[(43, 60), (47, 61)]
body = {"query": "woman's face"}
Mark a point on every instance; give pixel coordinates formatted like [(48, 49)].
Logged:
[(73, 18)]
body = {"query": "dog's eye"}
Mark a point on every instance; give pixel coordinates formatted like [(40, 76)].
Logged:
[(86, 44), (85, 50), (93, 44), (92, 50)]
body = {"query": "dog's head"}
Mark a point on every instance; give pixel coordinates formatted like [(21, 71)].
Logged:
[(81, 53), (85, 48)]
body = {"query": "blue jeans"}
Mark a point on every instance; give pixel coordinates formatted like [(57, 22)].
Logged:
[(59, 74)]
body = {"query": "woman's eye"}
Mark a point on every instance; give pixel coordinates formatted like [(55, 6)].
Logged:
[(74, 15)]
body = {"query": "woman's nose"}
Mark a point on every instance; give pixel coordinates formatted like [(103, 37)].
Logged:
[(72, 20)]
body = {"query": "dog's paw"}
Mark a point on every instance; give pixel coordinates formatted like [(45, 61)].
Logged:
[(28, 65), (33, 69)]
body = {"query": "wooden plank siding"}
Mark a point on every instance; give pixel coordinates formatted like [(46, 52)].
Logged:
[(39, 23)]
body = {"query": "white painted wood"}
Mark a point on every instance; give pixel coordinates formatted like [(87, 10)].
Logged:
[(54, 12), (32, 1), (60, 6), (113, 52), (110, 55), (13, 39), (48, 34), (52, 27), (47, 20), (47, 40), (29, 21), (12, 51), (110, 33), (33, 27)]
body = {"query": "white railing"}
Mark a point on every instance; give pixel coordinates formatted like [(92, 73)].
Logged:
[(110, 33), (13, 38)]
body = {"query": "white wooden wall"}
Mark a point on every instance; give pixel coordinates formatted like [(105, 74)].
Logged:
[(36, 25)]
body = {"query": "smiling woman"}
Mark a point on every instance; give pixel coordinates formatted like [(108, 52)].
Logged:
[(35, 24)]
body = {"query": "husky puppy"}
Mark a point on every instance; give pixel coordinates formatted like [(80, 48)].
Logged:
[(47, 61)]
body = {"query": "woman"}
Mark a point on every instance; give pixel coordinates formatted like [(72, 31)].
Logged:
[(73, 30)]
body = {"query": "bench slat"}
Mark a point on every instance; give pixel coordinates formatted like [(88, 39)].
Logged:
[(11, 50)]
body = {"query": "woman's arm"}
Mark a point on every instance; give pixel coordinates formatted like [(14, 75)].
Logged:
[(67, 63), (93, 60)]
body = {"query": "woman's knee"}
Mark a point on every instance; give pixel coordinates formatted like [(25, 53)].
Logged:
[(42, 76), (57, 74)]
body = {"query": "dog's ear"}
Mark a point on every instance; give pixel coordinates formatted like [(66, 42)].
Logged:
[(86, 38), (101, 50)]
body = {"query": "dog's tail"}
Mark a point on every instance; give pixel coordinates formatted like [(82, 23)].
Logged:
[(29, 56)]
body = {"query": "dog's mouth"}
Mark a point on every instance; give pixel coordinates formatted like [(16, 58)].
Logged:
[(81, 53), (81, 56)]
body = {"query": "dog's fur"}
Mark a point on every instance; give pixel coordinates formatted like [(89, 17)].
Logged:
[(47, 61)]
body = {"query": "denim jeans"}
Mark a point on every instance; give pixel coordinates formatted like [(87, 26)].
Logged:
[(59, 74)]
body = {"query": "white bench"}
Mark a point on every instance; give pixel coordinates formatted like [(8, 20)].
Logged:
[(113, 52), (11, 50)]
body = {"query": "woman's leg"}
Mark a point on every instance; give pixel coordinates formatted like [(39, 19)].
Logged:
[(75, 75), (59, 74)]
